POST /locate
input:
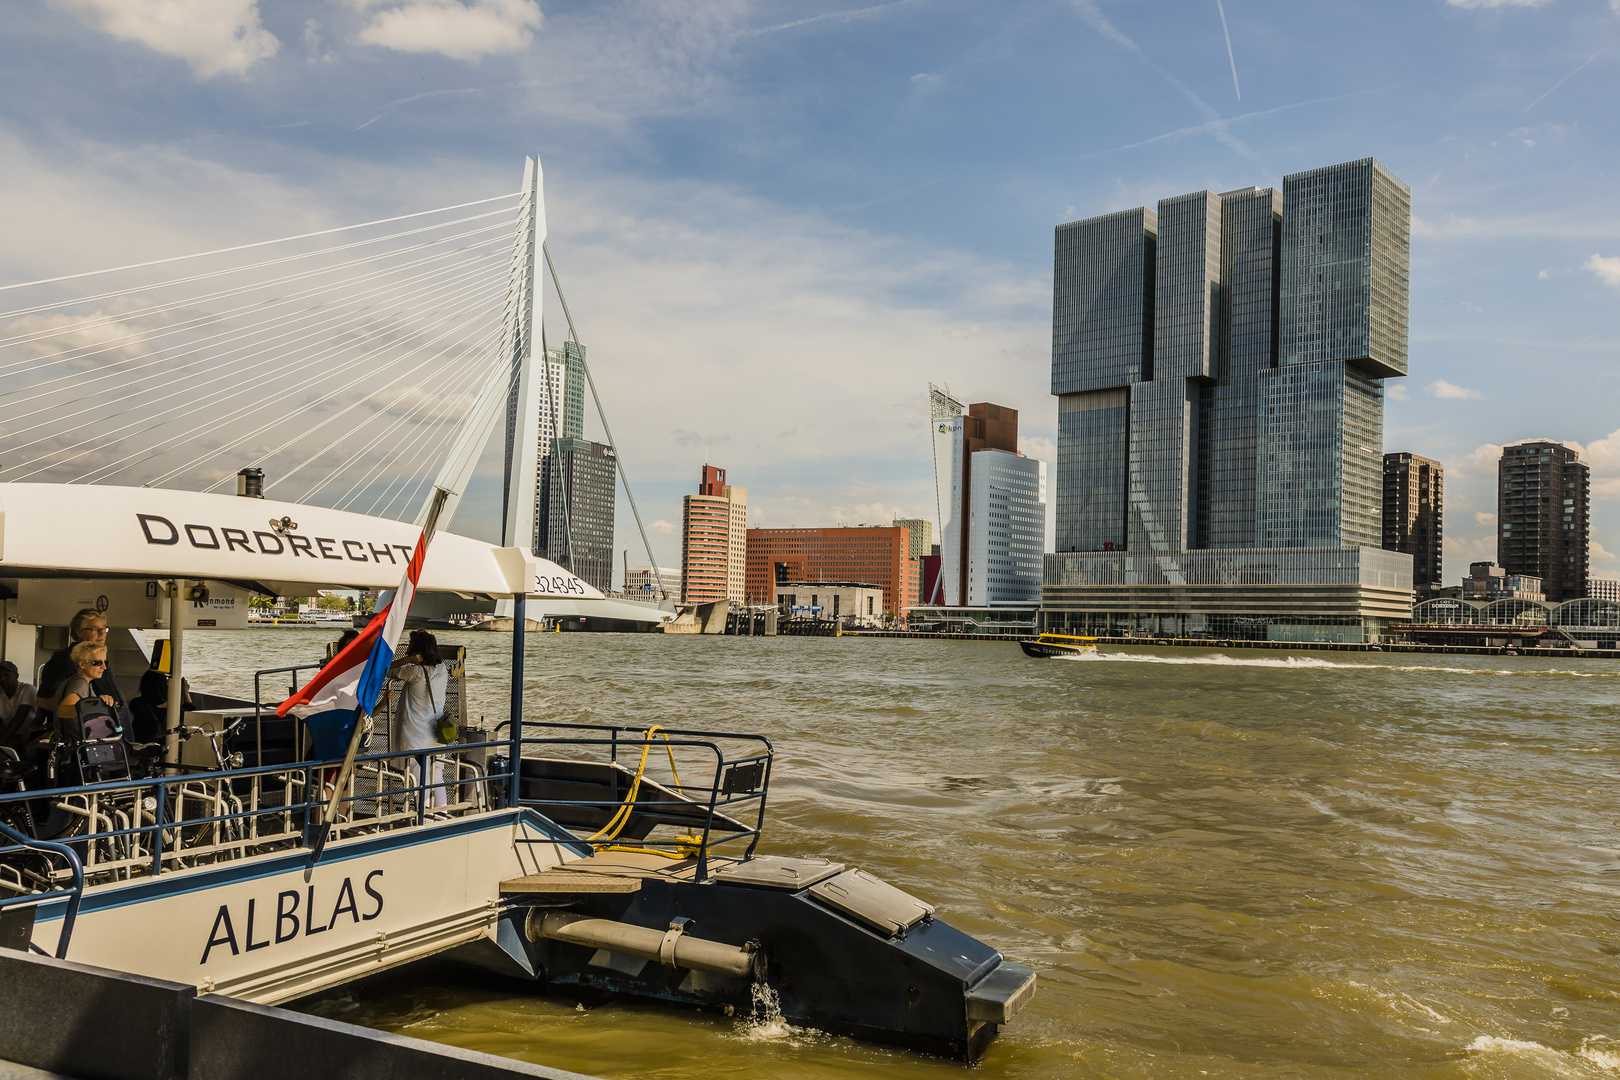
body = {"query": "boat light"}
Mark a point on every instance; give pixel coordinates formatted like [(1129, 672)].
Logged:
[(250, 483)]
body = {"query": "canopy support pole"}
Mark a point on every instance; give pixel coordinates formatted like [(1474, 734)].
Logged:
[(515, 753), (171, 723)]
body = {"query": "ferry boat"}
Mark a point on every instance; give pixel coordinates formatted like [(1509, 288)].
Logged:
[(564, 856), (1048, 645)]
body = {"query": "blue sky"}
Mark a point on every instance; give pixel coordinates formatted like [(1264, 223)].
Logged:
[(778, 221)]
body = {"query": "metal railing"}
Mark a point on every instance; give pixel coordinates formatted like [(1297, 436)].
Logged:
[(737, 781), (121, 829), (74, 893)]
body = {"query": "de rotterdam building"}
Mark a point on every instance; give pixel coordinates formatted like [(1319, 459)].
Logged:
[(1219, 363)]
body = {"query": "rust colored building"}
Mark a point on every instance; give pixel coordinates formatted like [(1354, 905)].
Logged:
[(877, 555)]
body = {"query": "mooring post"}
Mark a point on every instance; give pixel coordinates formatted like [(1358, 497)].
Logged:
[(519, 619)]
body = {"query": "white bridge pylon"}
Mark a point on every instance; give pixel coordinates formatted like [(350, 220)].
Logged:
[(513, 384)]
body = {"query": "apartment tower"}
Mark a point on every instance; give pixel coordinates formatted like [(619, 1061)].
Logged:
[(1414, 516), (1543, 508)]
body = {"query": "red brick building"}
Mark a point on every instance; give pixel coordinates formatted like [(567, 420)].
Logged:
[(878, 555)]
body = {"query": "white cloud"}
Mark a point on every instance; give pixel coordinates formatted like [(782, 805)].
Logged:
[(964, 331), (1397, 392), (1607, 268), (1485, 521), (457, 30), (1462, 549), (1038, 447), (664, 528), (1442, 389), (1603, 455), (1598, 554), (314, 51), (684, 437), (214, 36), (1481, 461)]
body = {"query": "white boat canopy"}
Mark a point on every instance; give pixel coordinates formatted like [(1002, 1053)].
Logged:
[(283, 549)]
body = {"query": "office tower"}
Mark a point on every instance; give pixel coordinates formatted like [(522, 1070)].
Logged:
[(921, 531), (1219, 364), (876, 555), (561, 414), (1603, 589), (575, 526), (654, 583), (992, 506), (714, 541), (1543, 503), (1007, 529), (565, 459), (1414, 516)]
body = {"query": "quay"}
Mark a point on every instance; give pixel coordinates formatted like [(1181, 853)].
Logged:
[(1285, 646)]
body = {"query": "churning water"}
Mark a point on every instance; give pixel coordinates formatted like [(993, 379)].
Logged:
[(1221, 865)]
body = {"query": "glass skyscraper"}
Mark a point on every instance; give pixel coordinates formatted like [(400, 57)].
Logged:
[(1219, 365)]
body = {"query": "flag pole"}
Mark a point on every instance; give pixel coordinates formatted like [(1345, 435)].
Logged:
[(329, 814)]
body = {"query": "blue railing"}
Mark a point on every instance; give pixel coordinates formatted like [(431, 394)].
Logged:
[(156, 839), (19, 842)]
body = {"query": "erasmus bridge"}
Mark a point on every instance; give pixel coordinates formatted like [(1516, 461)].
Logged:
[(357, 367)]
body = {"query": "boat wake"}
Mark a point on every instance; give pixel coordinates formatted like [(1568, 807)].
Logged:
[(1311, 663)]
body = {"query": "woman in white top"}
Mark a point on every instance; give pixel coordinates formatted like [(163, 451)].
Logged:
[(426, 677)]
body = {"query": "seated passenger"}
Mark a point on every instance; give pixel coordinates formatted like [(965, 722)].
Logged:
[(88, 625), (16, 707), (89, 661), (150, 711)]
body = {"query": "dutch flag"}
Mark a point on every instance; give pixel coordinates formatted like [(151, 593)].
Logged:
[(347, 686)]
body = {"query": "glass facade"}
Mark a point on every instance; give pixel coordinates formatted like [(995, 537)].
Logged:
[(1188, 292), (1007, 512), (574, 525), (1219, 363), (1102, 301), (1346, 251), (1587, 623), (1162, 433), (1370, 567), (1251, 248), (1321, 457), (1093, 448)]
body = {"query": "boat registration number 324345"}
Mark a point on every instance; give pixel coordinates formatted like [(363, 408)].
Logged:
[(291, 914)]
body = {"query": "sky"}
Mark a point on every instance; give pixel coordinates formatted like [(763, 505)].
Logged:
[(777, 222)]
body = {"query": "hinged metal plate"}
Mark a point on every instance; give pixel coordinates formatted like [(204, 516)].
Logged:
[(874, 902), (777, 872)]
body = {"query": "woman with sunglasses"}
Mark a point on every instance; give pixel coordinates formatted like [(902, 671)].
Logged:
[(91, 661)]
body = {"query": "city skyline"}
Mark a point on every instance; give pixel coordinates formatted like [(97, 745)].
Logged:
[(738, 196)]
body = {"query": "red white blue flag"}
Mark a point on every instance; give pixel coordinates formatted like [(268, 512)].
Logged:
[(348, 685)]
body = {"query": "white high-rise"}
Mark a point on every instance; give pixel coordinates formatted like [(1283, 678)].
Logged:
[(1006, 529), (992, 506)]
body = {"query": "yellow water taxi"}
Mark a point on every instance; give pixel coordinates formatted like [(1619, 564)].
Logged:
[(1058, 645)]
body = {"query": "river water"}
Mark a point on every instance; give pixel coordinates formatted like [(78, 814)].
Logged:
[(1224, 865)]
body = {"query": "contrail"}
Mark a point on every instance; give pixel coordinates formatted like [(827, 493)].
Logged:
[(1222, 9), (1562, 81)]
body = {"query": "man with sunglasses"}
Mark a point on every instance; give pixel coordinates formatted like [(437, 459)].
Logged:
[(88, 625)]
